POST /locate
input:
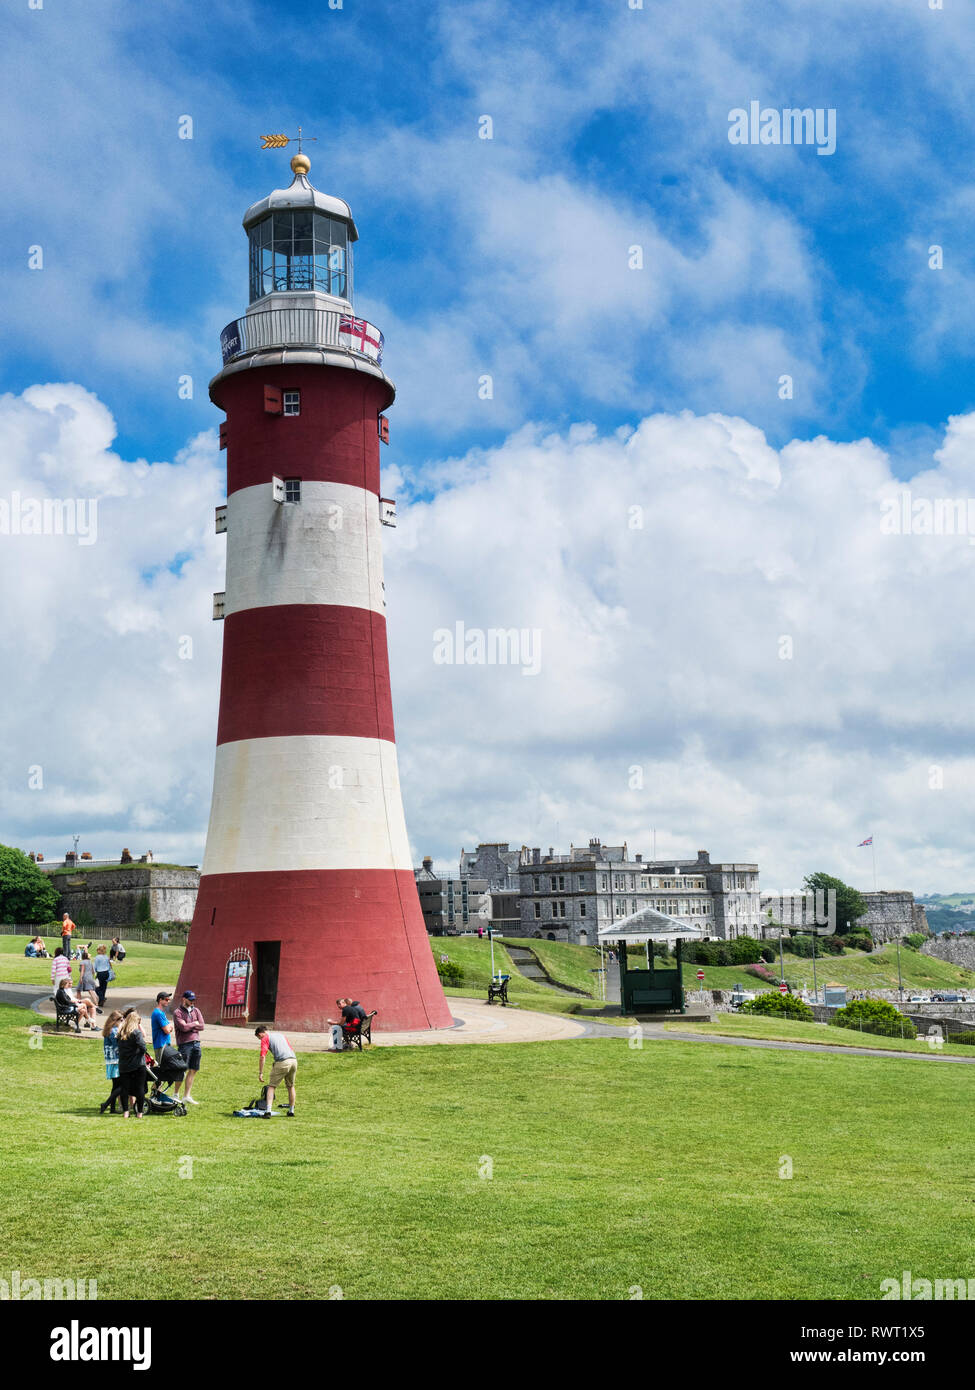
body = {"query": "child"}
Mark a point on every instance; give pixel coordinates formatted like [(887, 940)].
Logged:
[(110, 1044)]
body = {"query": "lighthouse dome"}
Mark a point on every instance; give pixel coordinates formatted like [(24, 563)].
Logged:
[(300, 196)]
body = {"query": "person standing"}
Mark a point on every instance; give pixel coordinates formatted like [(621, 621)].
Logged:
[(86, 979), (132, 1064), (284, 1070), (189, 1025), (60, 967), (162, 1029), (103, 973), (67, 927), (110, 1045)]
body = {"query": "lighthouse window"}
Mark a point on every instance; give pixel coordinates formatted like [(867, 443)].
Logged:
[(292, 489), (300, 251), (292, 402)]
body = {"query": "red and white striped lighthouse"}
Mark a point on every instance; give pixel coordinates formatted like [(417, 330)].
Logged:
[(307, 872)]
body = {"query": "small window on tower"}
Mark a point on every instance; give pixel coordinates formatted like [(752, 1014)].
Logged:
[(292, 402), (292, 489)]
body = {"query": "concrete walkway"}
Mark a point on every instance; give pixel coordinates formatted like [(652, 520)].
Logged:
[(474, 1022)]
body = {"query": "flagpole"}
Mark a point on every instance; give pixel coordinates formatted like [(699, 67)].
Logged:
[(873, 855)]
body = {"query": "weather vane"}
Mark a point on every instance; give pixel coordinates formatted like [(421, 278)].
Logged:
[(278, 142)]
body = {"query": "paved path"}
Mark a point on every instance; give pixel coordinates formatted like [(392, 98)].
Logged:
[(474, 1022)]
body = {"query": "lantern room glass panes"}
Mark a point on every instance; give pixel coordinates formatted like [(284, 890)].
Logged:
[(300, 251)]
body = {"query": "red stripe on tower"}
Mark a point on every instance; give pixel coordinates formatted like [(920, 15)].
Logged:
[(307, 863)]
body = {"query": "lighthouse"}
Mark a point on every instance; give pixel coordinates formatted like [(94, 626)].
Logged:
[(307, 891)]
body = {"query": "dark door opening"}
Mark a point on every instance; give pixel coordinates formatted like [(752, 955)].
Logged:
[(268, 961)]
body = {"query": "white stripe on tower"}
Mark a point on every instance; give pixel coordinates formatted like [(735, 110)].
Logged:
[(328, 549), (301, 802)]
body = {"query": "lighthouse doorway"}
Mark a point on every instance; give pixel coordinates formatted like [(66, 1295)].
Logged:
[(268, 961)]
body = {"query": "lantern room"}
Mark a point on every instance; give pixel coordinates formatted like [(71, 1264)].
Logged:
[(300, 241)]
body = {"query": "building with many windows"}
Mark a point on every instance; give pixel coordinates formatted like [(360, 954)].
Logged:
[(568, 897), (451, 905)]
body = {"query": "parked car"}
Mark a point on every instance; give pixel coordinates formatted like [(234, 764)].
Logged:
[(946, 999)]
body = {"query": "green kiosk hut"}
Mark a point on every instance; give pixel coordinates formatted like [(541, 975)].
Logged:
[(646, 990)]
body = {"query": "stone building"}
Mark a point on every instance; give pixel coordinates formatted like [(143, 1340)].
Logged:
[(111, 896), (568, 897), (495, 862), (892, 914)]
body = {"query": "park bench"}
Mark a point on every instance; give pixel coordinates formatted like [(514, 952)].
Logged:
[(65, 1013), (498, 989), (354, 1037)]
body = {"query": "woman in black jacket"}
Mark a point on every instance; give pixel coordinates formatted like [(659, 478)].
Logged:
[(132, 1064)]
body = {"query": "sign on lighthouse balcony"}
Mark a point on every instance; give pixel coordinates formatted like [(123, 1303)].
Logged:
[(307, 872)]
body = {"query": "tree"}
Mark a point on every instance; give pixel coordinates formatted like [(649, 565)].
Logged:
[(26, 894), (875, 1016), (850, 903), (775, 1005)]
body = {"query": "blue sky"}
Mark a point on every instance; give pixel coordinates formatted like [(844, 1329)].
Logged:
[(509, 257)]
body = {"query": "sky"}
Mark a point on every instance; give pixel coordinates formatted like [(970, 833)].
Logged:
[(717, 481)]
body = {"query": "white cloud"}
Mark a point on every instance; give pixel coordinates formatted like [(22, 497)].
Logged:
[(661, 568)]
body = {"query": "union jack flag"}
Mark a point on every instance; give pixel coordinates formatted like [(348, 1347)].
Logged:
[(868, 841), (366, 338)]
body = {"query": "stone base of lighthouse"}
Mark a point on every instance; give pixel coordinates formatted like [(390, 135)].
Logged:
[(339, 933)]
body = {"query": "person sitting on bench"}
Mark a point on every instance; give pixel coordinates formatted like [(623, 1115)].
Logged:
[(74, 1008), (353, 1017)]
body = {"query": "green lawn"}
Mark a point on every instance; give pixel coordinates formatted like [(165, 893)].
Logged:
[(144, 964), (611, 1168), (474, 957), (791, 1030), (566, 964), (857, 970)]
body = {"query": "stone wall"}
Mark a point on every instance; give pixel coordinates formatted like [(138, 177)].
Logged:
[(112, 896), (891, 915), (958, 950)]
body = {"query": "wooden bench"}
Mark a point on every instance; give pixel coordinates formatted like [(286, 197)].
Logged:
[(354, 1037), (498, 989), (66, 1014)]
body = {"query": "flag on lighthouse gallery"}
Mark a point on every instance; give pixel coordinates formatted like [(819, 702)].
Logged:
[(868, 841), (365, 337)]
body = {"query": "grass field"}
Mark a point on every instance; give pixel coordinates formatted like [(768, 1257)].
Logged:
[(791, 1030), (144, 964), (610, 1167), (857, 970), (566, 964)]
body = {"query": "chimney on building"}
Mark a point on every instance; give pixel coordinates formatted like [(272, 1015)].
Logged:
[(536, 856), (428, 862), (639, 859)]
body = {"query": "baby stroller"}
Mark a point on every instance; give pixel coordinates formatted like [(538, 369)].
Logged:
[(163, 1074)]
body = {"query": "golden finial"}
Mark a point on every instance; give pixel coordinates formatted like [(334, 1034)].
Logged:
[(300, 163)]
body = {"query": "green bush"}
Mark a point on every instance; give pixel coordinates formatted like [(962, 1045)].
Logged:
[(860, 941), (915, 940), (760, 973), (143, 912), (779, 1006), (768, 953), (874, 1016), (967, 1039), (450, 973)]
